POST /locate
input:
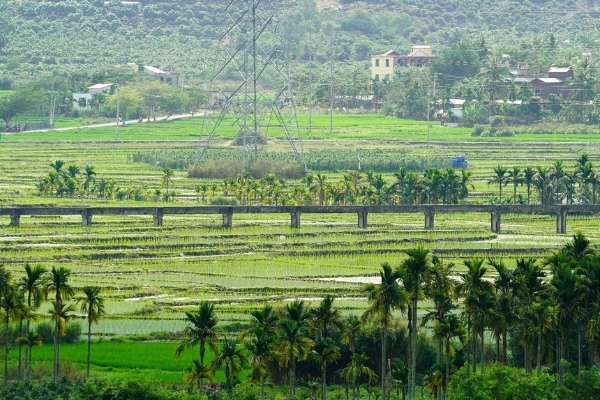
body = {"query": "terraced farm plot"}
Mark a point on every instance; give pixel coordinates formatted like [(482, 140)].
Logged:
[(152, 275)]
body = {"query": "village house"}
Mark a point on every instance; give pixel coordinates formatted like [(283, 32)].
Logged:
[(554, 83), (155, 73), (82, 101), (385, 65)]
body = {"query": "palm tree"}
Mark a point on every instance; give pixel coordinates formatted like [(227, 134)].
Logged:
[(32, 284), (90, 177), (294, 345), (493, 78), (357, 370), (57, 165), (352, 328), (232, 357), (261, 349), (202, 331), (325, 316), (558, 176), (60, 313), (447, 328), (9, 303), (584, 85), (196, 375), (544, 314), (415, 272), (59, 284), (472, 283), (167, 178), (500, 178), (325, 352), (29, 340), (515, 176), (383, 298), (528, 179), (92, 305)]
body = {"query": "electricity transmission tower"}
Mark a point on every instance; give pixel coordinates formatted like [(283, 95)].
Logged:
[(261, 101)]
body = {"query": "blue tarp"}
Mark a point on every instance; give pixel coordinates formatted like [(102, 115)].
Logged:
[(459, 161)]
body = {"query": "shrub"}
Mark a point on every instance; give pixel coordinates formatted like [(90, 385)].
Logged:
[(478, 130), (223, 201), (45, 330), (497, 121), (72, 332)]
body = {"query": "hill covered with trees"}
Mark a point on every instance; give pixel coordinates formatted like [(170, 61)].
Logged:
[(91, 35)]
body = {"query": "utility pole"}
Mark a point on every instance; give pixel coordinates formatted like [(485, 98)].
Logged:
[(117, 88), (52, 105), (428, 122)]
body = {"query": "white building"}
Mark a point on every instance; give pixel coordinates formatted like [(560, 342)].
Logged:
[(82, 101), (158, 74)]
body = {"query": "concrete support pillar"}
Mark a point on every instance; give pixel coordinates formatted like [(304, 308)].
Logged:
[(362, 219), (429, 220), (158, 217), (295, 218), (15, 219), (495, 226), (86, 218), (228, 218), (561, 222)]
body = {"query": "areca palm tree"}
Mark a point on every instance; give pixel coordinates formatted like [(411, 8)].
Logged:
[(232, 357), (326, 316), (202, 331), (92, 305), (415, 272), (383, 298), (60, 313), (528, 179), (167, 178), (59, 284), (261, 349), (472, 282), (500, 178), (356, 371), (352, 328), (9, 303), (558, 176), (544, 314), (325, 352), (29, 340), (197, 374), (515, 176), (448, 328), (294, 345)]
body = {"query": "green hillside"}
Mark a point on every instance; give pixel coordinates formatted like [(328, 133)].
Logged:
[(92, 35)]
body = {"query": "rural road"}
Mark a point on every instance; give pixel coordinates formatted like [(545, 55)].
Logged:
[(172, 117)]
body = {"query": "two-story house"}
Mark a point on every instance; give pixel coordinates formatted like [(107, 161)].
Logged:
[(554, 83), (384, 65)]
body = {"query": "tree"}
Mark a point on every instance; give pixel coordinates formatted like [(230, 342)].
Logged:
[(544, 314), (383, 298), (415, 272), (324, 352), (261, 349), (32, 284), (13, 105), (92, 305), (29, 340), (493, 78), (583, 86), (167, 179), (528, 180), (515, 176), (9, 303), (202, 331), (500, 178), (447, 328), (232, 357), (59, 284), (294, 345), (197, 374), (90, 177), (356, 371), (460, 60), (472, 283)]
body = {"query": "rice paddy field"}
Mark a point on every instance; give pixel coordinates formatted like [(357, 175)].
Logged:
[(151, 275)]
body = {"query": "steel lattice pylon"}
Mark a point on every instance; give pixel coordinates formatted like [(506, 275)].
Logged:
[(252, 50)]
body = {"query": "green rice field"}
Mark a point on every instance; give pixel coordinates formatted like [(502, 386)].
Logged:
[(151, 275)]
